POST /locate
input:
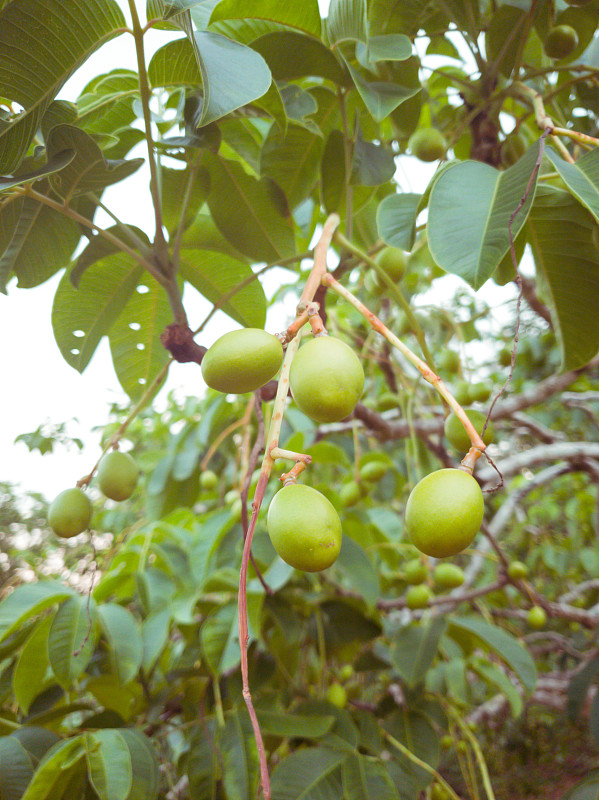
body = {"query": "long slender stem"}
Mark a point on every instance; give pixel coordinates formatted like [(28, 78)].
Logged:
[(127, 230), (419, 762)]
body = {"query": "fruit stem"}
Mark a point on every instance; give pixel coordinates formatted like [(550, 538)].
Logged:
[(320, 261)]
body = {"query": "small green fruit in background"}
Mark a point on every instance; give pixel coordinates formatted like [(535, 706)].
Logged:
[(480, 392), (208, 480), (304, 528), (70, 513), (448, 361), (118, 475), (346, 672), (394, 261), (387, 401), (418, 596), (242, 361), (505, 357), (326, 379), (350, 493), (560, 42), (444, 512), (456, 434), (536, 618), (517, 570), (415, 572), (336, 695), (427, 144), (462, 393), (373, 471), (448, 576)]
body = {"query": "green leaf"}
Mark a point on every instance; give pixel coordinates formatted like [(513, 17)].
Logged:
[(239, 756), (292, 55), (124, 640), (501, 44), (414, 648), (99, 247), (396, 219), (145, 769), (292, 160), (106, 103), (214, 274), (29, 676), (54, 163), (579, 685), (28, 600), (109, 764), (581, 178), (347, 21), (310, 774), (36, 741), (506, 646), (72, 639), (174, 64), (390, 47), (70, 37), (249, 213), (304, 16), (416, 732), (359, 571), (560, 234), (219, 637), (80, 317), (154, 633), (372, 164), (495, 677), (16, 768), (380, 97), (332, 172), (365, 779), (55, 770), (175, 183), (294, 726), (468, 228)]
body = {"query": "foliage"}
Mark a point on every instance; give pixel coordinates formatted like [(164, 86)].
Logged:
[(255, 130)]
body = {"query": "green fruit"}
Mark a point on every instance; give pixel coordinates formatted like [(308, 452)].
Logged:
[(373, 471), (346, 672), (387, 401), (505, 357), (536, 618), (517, 570), (350, 493), (448, 576), (480, 392), (336, 695), (448, 361), (444, 512), (462, 393), (70, 513), (415, 572), (456, 433), (427, 144), (304, 528), (208, 480), (561, 41), (439, 792), (118, 475), (418, 596), (326, 379), (242, 361), (394, 261)]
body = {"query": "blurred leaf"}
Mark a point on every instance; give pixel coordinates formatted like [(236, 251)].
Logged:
[(145, 769), (109, 764), (347, 21), (414, 648), (29, 676), (495, 677), (501, 43), (28, 600), (579, 685), (292, 160), (372, 164), (359, 571), (309, 774), (16, 768), (124, 640), (365, 779), (72, 639), (294, 726), (55, 770), (239, 755), (581, 178), (587, 789)]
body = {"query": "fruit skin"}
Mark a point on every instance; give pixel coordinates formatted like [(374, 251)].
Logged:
[(517, 570), (242, 361), (304, 528), (480, 392), (336, 695), (394, 261), (444, 512), (118, 475), (448, 361), (350, 493), (456, 434), (70, 513), (418, 596), (448, 576), (326, 379), (373, 471), (560, 41), (428, 144), (536, 618), (505, 357), (415, 572), (208, 480), (462, 393)]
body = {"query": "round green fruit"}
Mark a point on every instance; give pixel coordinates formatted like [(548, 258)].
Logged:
[(427, 144), (456, 433), (394, 261), (346, 672), (326, 379), (480, 392), (242, 361), (387, 401), (517, 570), (448, 361), (505, 357), (560, 42), (208, 480), (373, 471), (415, 572), (444, 512), (118, 475), (536, 618), (448, 576), (418, 596), (350, 493), (336, 695), (462, 393), (70, 513), (304, 528)]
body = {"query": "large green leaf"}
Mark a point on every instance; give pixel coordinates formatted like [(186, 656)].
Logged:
[(495, 677), (124, 640), (29, 676), (396, 219), (291, 55), (414, 648), (360, 573), (295, 726), (365, 779), (106, 103), (469, 211), (581, 178), (292, 160), (239, 755), (55, 770), (347, 21), (174, 64), (310, 774), (560, 234), (56, 45), (214, 274), (145, 769), (54, 163), (219, 638), (72, 639), (28, 600), (109, 764), (304, 16), (380, 97), (16, 768), (249, 213)]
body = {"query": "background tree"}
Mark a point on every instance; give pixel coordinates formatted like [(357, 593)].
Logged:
[(278, 139)]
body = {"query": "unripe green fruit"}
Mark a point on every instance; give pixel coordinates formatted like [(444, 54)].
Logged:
[(326, 379), (70, 513), (304, 528), (373, 471), (456, 433), (480, 392), (448, 361), (336, 695), (350, 493), (448, 576), (427, 144), (536, 618), (387, 401), (346, 672), (118, 475), (394, 261), (242, 361), (561, 41), (415, 572), (208, 480), (462, 393), (517, 570), (418, 596), (439, 792), (444, 512), (505, 357)]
